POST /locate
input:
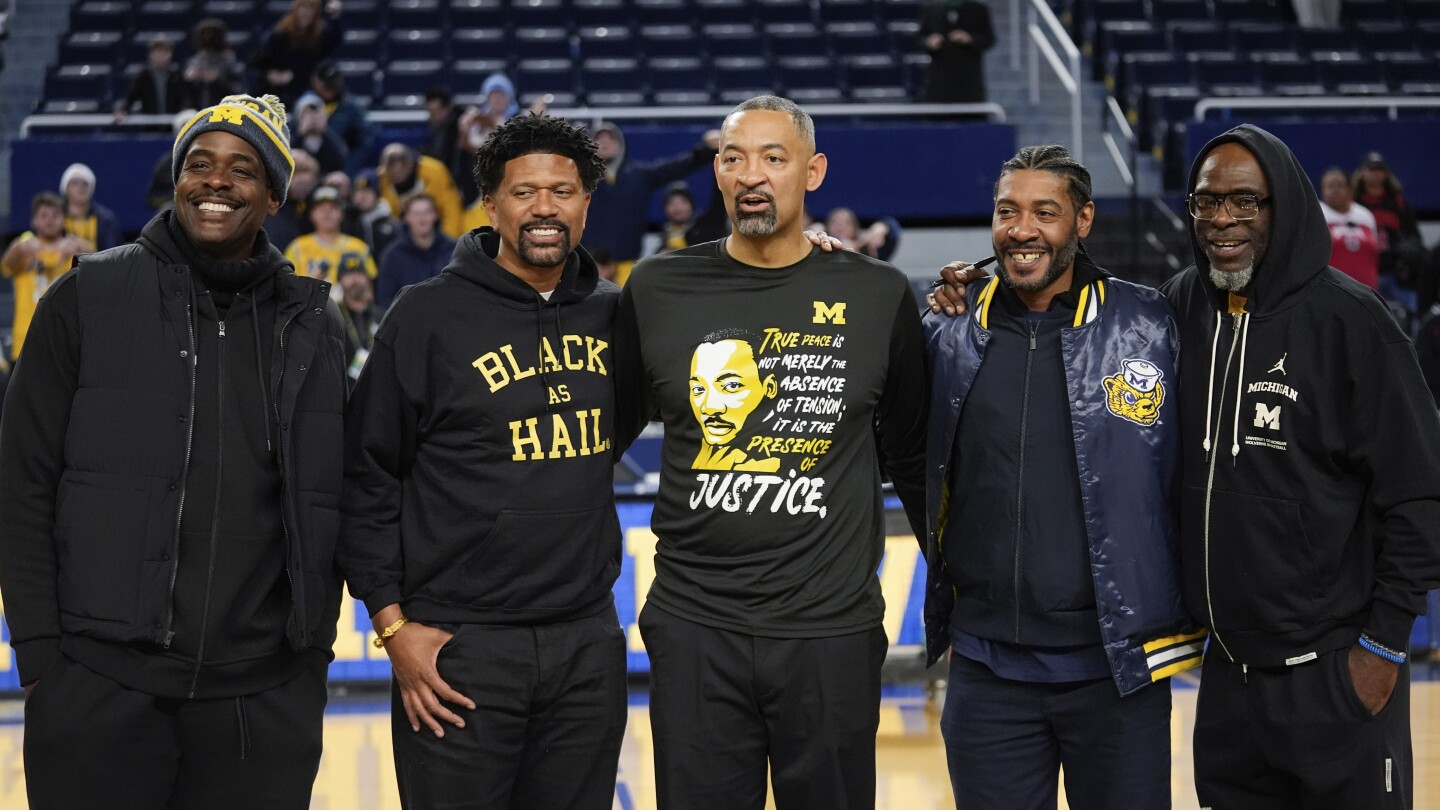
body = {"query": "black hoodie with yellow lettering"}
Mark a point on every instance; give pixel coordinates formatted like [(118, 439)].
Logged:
[(1311, 448), (478, 448)]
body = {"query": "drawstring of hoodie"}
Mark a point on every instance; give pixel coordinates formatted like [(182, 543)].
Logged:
[(243, 722), (260, 372), (540, 341), (1244, 328)]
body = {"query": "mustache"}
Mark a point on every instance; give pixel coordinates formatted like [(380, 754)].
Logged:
[(1023, 247), (214, 197), (769, 198), (716, 421)]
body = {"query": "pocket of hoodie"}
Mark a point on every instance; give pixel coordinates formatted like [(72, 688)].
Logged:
[(322, 575), (101, 537), (1262, 573), (542, 560)]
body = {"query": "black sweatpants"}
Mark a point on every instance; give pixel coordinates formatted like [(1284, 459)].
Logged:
[(92, 743), (722, 703), (1005, 742), (1298, 738), (550, 705)]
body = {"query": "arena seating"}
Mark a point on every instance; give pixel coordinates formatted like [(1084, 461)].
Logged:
[(595, 52)]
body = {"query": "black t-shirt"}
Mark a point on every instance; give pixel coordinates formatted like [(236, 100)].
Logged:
[(777, 387)]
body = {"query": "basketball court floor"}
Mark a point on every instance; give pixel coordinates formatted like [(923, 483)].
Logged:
[(357, 771)]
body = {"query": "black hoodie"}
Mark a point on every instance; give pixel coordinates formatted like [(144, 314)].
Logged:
[(1311, 508), (478, 464)]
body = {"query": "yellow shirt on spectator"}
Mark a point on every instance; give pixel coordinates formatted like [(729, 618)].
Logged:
[(30, 284), (312, 257)]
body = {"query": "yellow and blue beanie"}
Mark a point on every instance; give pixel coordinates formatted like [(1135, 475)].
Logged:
[(260, 122)]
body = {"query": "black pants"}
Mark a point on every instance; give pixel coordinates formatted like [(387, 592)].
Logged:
[(92, 743), (1005, 742), (550, 704), (722, 703), (1298, 738)]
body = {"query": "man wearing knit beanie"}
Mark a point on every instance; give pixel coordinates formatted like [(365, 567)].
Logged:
[(84, 217), (180, 601)]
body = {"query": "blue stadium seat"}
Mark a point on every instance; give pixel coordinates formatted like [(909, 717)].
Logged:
[(1413, 74), (413, 76), (846, 11), (1422, 10), (1427, 37), (601, 13), (678, 80), (480, 43), (543, 43), (1354, 75), (80, 83), (1369, 10), (723, 12), (163, 15), (808, 73), (906, 42), (93, 47), (401, 14), (1226, 74), (1163, 107), (777, 11), (662, 12), (1326, 40), (1199, 36), (733, 39), (668, 40), (478, 14), (359, 43), (1253, 38), (1387, 35), (360, 75), (607, 42), (796, 39), (1173, 10), (873, 78), (899, 10), (539, 76), (238, 15), (537, 14), (1290, 75), (138, 48), (857, 38), (740, 77), (467, 76), (415, 43), (1249, 10), (1129, 36), (1139, 71), (612, 82), (101, 15)]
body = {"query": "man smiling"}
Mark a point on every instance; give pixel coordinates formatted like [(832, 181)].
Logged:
[(480, 524), (170, 453)]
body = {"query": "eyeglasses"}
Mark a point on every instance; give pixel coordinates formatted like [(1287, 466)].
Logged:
[(1240, 207)]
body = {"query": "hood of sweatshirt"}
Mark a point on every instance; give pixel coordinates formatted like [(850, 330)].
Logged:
[(1299, 246), (577, 281)]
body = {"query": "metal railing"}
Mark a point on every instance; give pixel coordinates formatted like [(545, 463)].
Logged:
[(1282, 104), (1066, 70), (716, 113)]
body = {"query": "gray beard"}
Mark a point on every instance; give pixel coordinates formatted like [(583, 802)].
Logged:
[(1234, 281), (761, 224)]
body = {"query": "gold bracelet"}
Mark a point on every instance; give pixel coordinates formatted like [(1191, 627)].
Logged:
[(389, 631)]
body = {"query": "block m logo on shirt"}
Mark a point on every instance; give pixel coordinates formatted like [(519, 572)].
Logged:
[(1267, 417), (831, 313)]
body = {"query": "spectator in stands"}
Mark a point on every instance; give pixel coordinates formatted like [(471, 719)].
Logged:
[(498, 106), (419, 252), (368, 216), (956, 34), (880, 240), (682, 227), (213, 71), (404, 172), (1355, 245), (170, 505), (360, 315), (325, 250), (346, 118), (290, 221), (1402, 253), (297, 44), (622, 202), (340, 181), (95, 224), (314, 136), (447, 142), (158, 89), (1317, 13), (35, 258)]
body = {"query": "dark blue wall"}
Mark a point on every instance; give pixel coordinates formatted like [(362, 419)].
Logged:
[(1409, 147), (906, 169)]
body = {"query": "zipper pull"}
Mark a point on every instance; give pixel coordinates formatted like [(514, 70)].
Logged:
[(1033, 327), (222, 329)]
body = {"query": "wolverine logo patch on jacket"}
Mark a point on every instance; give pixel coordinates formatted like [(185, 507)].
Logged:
[(1136, 392)]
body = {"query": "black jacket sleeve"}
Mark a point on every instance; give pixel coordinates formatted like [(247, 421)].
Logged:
[(634, 397), (32, 460), (901, 415), (381, 423)]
